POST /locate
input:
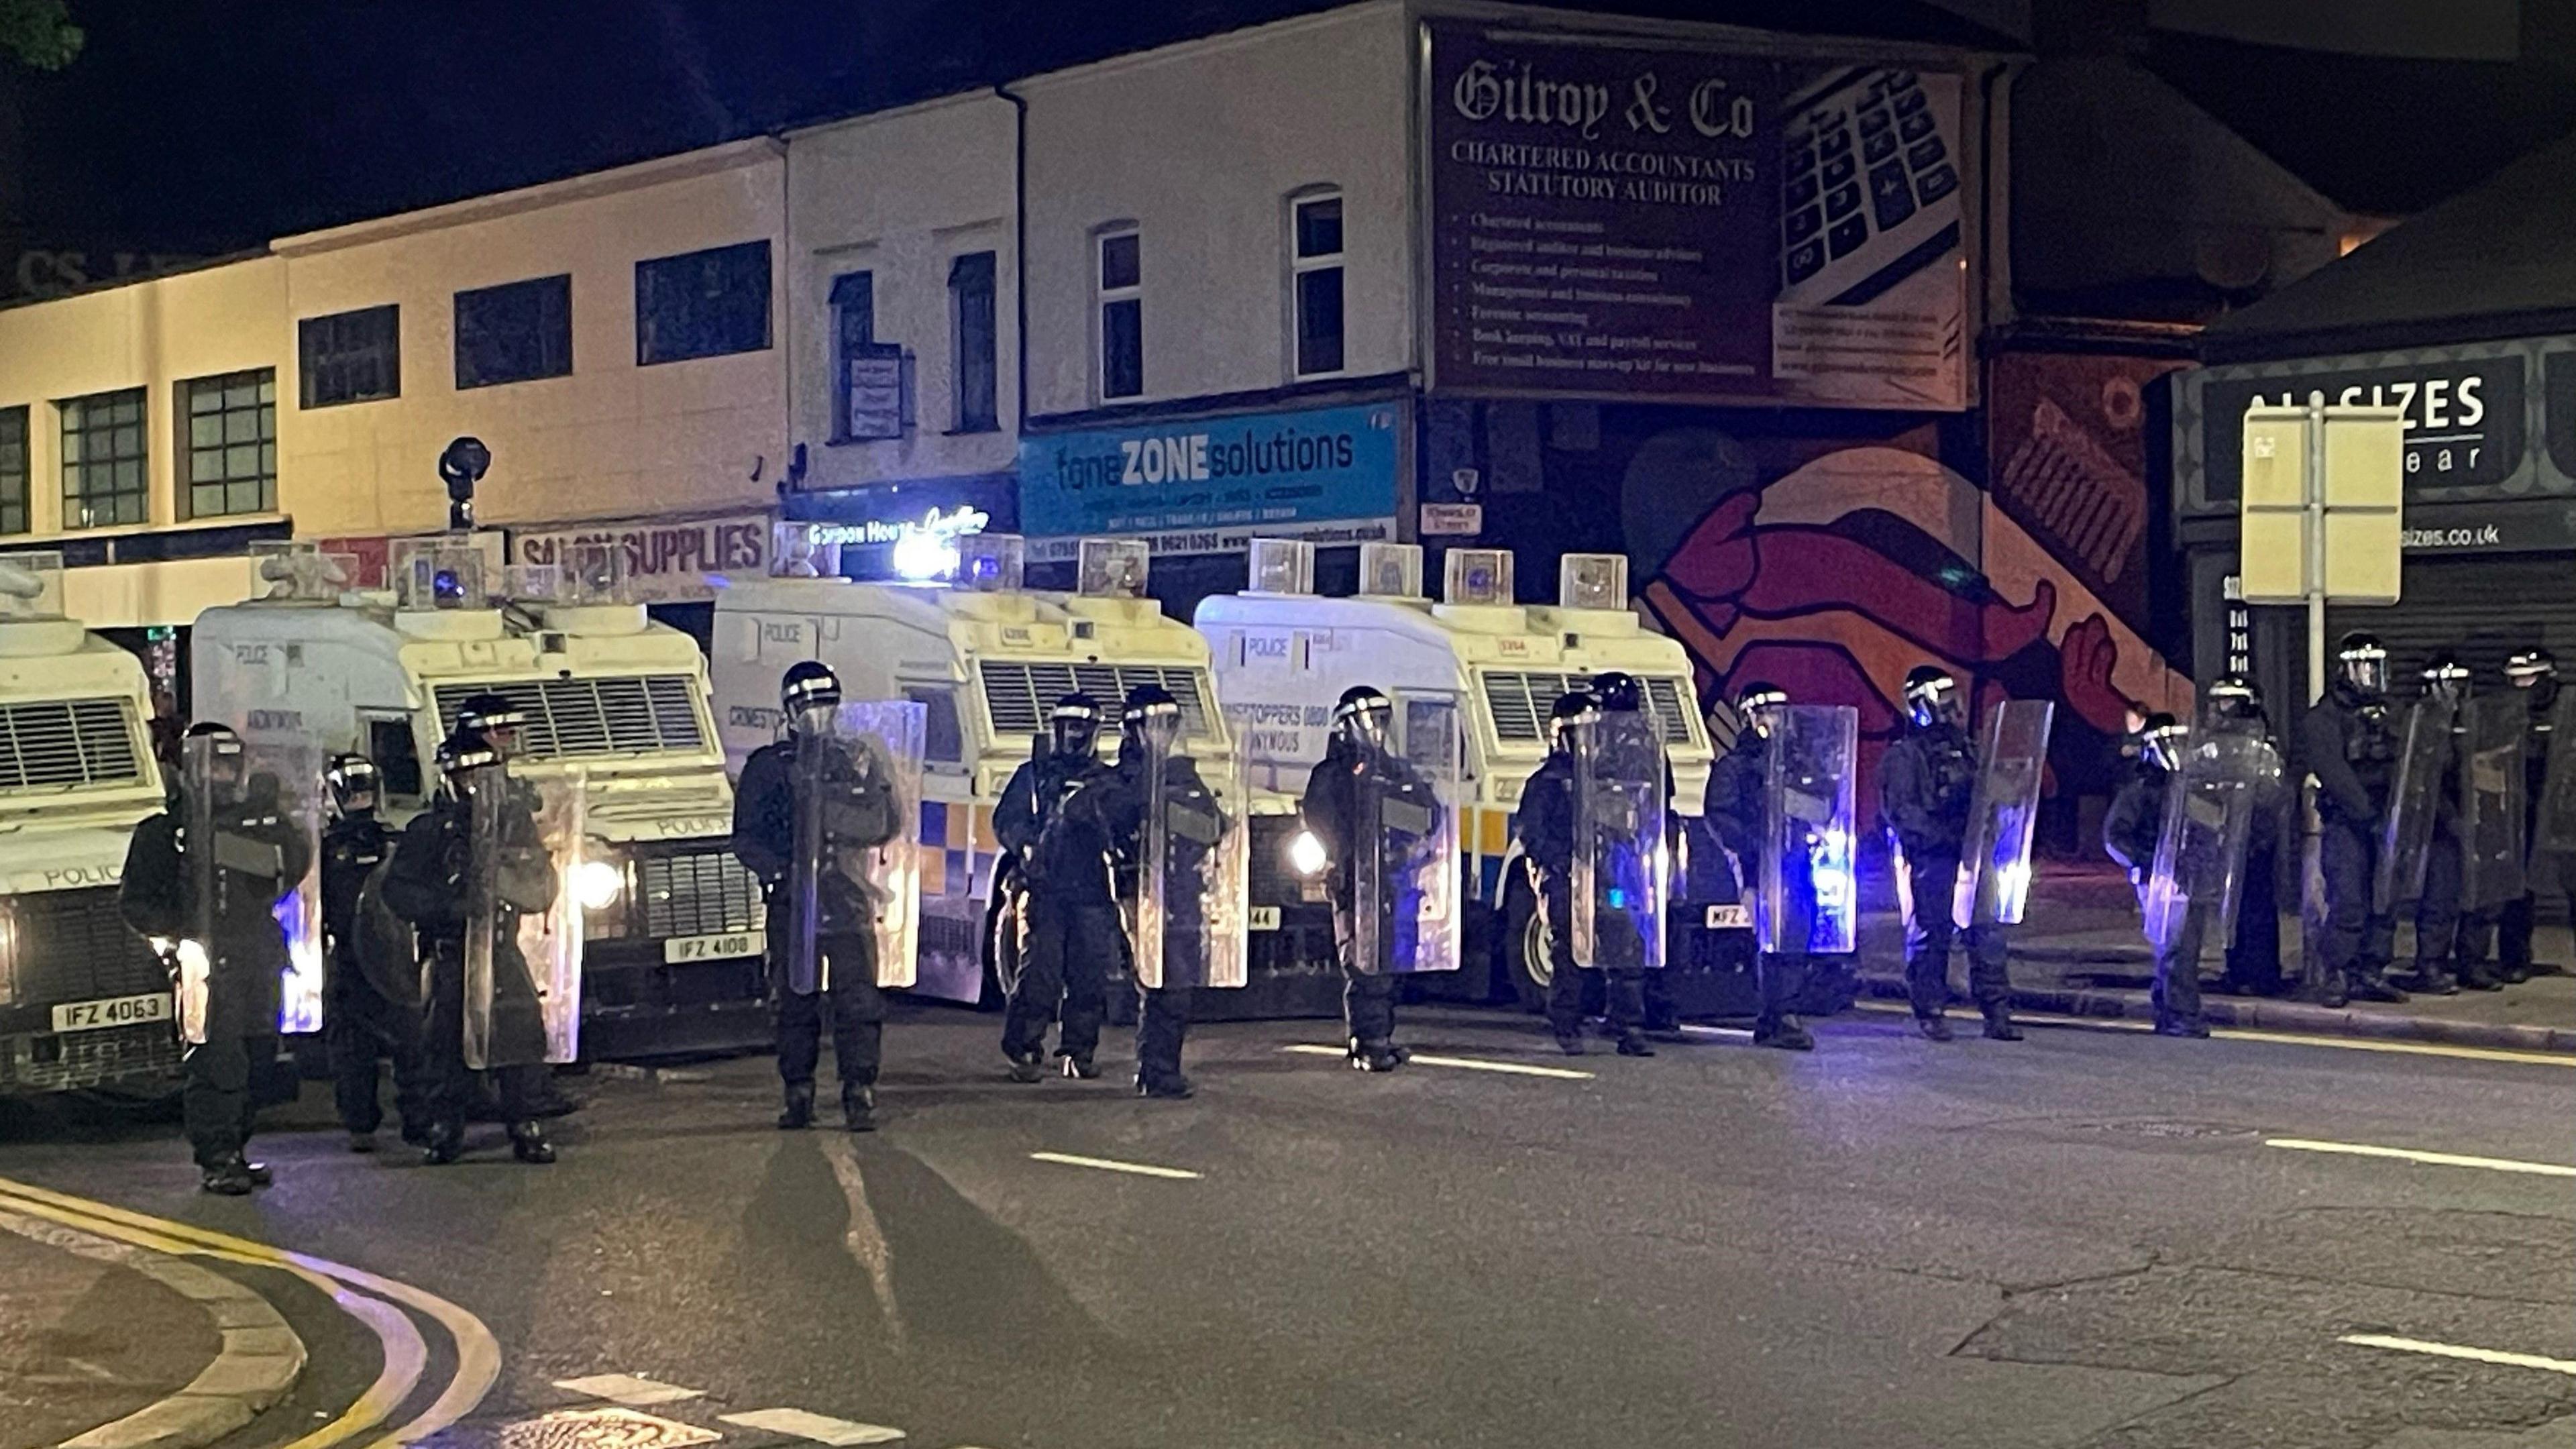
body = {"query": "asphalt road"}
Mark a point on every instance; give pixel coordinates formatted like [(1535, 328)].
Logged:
[(2084, 1239)]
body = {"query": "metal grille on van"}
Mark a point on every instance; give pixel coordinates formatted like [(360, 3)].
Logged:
[(58, 742), (572, 718), (1520, 702), (698, 893), (1019, 694)]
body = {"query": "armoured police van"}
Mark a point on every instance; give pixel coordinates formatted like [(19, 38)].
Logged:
[(1283, 654), (671, 922), (84, 1002), (987, 658)]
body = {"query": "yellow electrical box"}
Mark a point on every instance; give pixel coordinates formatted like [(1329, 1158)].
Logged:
[(2361, 463), (2273, 516)]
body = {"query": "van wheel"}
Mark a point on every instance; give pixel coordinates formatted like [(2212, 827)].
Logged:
[(1524, 940)]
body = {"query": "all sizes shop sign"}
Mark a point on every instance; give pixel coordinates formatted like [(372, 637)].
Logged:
[(2465, 417), (1210, 485)]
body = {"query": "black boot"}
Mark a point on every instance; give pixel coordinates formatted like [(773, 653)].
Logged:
[(2371, 986), (1999, 1024), (1570, 1042), (1632, 1043), (2169, 1024), (2514, 973), (528, 1143), (2431, 980), (362, 1142), (1934, 1028), (1077, 1065), (2478, 976), (1785, 1033), (1172, 1088), (1375, 1056), (230, 1178), (1028, 1067), (446, 1144), (798, 1114), (257, 1172), (859, 1108)]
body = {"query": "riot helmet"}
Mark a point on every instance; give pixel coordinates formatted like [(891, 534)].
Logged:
[(2162, 742), (465, 757), (2361, 665), (2528, 667), (1073, 727), (1754, 704), (1618, 692), (1150, 714), (808, 693), (352, 782), (222, 751), (1571, 712), (493, 717), (1362, 717), (2445, 677), (2233, 696), (1932, 696)]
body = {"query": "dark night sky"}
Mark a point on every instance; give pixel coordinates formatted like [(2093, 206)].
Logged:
[(210, 125)]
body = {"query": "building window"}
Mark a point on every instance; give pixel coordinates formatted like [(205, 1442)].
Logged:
[(103, 478), (350, 357), (1122, 315), (514, 332), (970, 306), (702, 304), (231, 427), (1315, 281), (13, 470), (874, 377)]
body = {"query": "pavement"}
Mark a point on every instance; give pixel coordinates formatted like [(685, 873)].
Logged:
[(2079, 952), (107, 1344), (2097, 1238)]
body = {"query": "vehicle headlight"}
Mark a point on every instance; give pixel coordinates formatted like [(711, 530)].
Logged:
[(1306, 853), (598, 883)]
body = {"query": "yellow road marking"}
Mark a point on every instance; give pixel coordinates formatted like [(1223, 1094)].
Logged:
[(1464, 1064), (478, 1356), (2454, 1350), (1111, 1164), (2431, 1159), (2283, 1038)]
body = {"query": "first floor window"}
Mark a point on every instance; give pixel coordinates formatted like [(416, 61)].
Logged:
[(702, 304), (104, 482), (13, 470), (514, 332), (970, 303), (1315, 282), (230, 426), (1122, 314), (350, 357)]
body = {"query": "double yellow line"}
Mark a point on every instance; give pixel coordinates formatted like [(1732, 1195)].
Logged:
[(383, 1305)]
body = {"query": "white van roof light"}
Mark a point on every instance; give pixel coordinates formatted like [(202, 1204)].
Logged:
[(1391, 570), (1478, 576), (1113, 568), (1282, 566), (991, 563), (297, 571), (31, 585), (1592, 581)]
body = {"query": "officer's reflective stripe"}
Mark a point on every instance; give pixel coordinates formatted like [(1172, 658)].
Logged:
[(2455, 1350), (1109, 1164), (2429, 1159), (1464, 1064)]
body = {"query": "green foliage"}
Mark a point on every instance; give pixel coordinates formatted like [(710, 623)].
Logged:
[(38, 33)]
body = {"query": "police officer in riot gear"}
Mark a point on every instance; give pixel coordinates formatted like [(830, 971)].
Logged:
[(1162, 1012), (363, 1022), (245, 953), (2534, 671), (1069, 927), (1738, 811), (2254, 952), (2450, 939), (1548, 824), (1927, 781), (426, 884), (2137, 811), (1355, 757), (2351, 749), (765, 809), (492, 718)]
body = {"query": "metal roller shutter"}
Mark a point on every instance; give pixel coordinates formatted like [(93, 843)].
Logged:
[(2484, 607)]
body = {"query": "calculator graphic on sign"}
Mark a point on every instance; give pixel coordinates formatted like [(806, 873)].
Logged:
[(1869, 188)]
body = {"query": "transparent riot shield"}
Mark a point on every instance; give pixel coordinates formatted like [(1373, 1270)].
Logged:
[(522, 956), (1191, 917), (856, 869), (2228, 773), (2492, 790), (2554, 831), (1806, 904), (2414, 799), (1621, 858), (253, 960), (1994, 857), (1404, 863)]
